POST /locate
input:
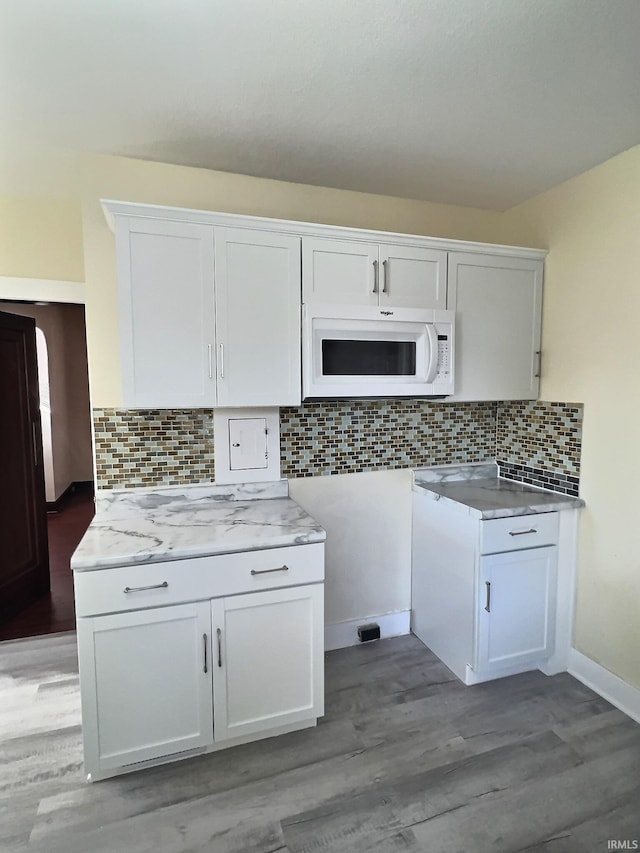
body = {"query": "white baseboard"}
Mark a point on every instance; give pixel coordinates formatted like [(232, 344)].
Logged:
[(605, 683), (343, 634)]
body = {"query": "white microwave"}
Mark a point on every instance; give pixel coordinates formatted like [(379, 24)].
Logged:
[(369, 351)]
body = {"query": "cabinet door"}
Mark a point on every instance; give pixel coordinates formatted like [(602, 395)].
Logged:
[(516, 607), (165, 282), (268, 660), (498, 304), (257, 318), (146, 691), (411, 277), (339, 272)]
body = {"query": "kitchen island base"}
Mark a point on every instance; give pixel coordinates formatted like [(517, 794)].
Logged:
[(180, 655)]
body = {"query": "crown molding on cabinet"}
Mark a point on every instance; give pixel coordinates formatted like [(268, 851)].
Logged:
[(283, 226)]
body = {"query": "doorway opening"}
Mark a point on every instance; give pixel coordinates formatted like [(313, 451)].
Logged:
[(67, 450), (45, 414)]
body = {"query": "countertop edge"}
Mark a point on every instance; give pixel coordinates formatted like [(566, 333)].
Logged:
[(314, 537), (563, 502)]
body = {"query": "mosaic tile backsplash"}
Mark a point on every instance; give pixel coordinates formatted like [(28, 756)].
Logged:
[(537, 443), (352, 436), (153, 447)]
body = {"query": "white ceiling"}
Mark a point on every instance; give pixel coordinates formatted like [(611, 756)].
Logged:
[(474, 102)]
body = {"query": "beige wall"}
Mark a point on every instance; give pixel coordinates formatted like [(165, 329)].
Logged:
[(591, 350), (41, 238), (64, 330), (368, 550)]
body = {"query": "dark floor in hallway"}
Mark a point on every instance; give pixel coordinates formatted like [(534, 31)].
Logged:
[(55, 611)]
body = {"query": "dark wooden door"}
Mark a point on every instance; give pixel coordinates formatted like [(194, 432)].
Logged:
[(24, 556)]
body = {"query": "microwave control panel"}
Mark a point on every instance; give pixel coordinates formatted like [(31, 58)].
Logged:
[(444, 357)]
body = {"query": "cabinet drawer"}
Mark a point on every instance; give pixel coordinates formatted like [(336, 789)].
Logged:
[(518, 532), (196, 579)]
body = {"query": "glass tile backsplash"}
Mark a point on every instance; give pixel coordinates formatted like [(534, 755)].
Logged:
[(534, 442)]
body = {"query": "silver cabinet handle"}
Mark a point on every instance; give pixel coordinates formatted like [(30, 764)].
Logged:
[(221, 361), (268, 571), (162, 585), (210, 356), (522, 532), (487, 606), (375, 276), (538, 374), (219, 635), (204, 640), (385, 274)]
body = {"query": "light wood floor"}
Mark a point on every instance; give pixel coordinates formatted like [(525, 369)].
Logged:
[(406, 759)]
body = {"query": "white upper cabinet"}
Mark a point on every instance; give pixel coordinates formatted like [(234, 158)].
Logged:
[(257, 305), (498, 305), (210, 303), (170, 321), (165, 277), (411, 277), (341, 272)]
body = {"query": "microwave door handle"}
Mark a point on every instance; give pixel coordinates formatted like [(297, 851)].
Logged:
[(433, 352)]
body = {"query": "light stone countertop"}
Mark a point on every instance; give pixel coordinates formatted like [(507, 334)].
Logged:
[(484, 494), (152, 526)]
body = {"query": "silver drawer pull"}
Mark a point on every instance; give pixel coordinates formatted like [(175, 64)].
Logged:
[(162, 585), (522, 532), (487, 606), (219, 636), (268, 571)]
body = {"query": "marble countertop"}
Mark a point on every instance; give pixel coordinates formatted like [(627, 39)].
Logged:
[(480, 491), (151, 526)]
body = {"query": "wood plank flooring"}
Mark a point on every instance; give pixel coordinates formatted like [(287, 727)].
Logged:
[(406, 759), (55, 611)]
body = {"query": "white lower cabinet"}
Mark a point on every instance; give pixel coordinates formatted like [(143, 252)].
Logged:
[(483, 595), (146, 691), (517, 592), (165, 682), (266, 650)]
